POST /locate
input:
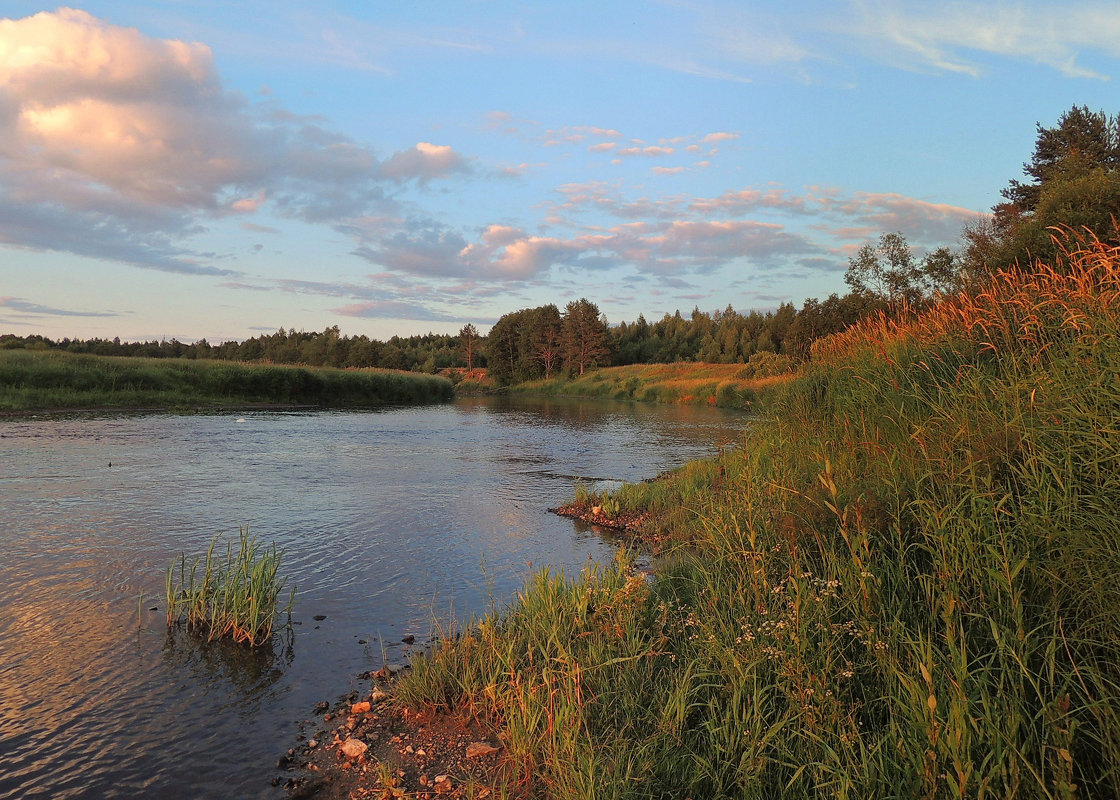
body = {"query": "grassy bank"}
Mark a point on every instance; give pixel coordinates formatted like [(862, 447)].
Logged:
[(723, 385), (905, 584), (57, 380)]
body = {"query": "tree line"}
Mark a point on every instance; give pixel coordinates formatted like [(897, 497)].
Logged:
[(1073, 184)]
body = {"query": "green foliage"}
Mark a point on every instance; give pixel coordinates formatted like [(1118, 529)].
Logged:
[(609, 505), (236, 597), (584, 335), (723, 385), (766, 365), (1075, 172), (891, 275)]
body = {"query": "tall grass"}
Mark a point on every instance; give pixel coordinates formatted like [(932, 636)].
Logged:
[(236, 596), (905, 583), (59, 380), (722, 385)]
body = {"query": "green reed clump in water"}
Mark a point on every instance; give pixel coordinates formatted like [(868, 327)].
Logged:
[(237, 596)]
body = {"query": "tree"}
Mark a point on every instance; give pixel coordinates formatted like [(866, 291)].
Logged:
[(547, 327), (1083, 141), (503, 347), (1075, 172), (891, 274), (885, 271), (585, 335), (468, 340)]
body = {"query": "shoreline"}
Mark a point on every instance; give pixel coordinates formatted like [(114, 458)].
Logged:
[(369, 745), (226, 408)]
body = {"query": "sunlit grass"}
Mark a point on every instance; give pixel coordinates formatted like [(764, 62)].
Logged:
[(905, 582), (722, 385), (235, 595)]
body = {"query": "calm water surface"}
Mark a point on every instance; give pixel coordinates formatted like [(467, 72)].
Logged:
[(388, 519)]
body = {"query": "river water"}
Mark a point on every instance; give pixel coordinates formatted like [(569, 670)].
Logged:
[(389, 521)]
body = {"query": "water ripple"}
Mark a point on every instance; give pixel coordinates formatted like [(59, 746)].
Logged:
[(388, 520)]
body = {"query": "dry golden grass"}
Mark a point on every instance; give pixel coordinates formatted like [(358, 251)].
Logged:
[(1017, 310)]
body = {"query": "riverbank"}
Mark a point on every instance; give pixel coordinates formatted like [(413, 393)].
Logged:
[(721, 385), (32, 381), (904, 583)]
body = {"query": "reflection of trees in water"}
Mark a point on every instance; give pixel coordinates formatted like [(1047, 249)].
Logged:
[(248, 670)]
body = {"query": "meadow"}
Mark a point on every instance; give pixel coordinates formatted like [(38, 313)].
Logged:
[(34, 380), (684, 383), (905, 583)]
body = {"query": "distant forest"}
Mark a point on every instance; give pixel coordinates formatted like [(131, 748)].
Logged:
[(1073, 185), (534, 336)]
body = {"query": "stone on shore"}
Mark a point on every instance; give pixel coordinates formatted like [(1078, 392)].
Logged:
[(353, 748), (478, 749)]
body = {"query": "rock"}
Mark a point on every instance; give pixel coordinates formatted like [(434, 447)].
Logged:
[(319, 617), (312, 743), (360, 708), (443, 784), (596, 510), (354, 748), (383, 674), (376, 696), (408, 639), (322, 706), (478, 749)]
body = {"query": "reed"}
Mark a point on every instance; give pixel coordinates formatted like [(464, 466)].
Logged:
[(234, 596), (904, 583), (61, 380)]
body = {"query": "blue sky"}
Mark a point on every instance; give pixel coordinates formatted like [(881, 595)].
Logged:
[(218, 170)]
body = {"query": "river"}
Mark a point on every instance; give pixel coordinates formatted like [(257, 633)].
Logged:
[(389, 520)]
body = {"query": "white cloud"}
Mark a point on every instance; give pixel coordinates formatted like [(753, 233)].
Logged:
[(945, 36)]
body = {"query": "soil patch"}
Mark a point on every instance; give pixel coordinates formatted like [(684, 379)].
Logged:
[(632, 525), (371, 746)]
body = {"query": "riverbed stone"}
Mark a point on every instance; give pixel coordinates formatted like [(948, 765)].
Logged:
[(479, 749), (354, 748)]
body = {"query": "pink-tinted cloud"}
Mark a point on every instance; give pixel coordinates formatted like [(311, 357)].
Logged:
[(719, 136), (423, 163), (650, 150), (118, 145)]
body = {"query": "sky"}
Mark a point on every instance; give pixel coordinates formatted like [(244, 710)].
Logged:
[(221, 169)]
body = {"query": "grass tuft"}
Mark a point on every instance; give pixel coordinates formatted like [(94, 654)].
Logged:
[(236, 596)]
